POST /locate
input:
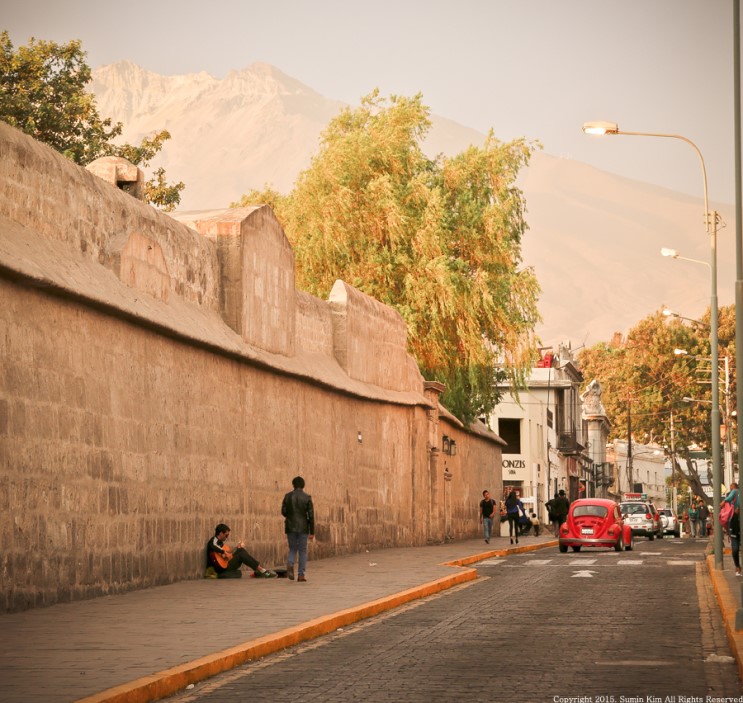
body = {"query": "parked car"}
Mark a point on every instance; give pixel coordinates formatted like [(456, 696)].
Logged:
[(672, 526), (595, 522), (643, 518)]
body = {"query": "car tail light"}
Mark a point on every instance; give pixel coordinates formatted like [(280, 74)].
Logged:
[(648, 516)]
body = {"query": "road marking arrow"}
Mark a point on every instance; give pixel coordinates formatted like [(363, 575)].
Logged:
[(587, 574)]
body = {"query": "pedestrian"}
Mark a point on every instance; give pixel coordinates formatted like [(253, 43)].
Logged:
[(225, 562), (550, 505), (524, 524), (487, 512), (702, 519), (536, 525), (560, 509), (514, 508), (733, 497), (693, 515), (299, 526)]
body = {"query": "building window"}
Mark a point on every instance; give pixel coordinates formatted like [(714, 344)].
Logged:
[(510, 431), (550, 422)]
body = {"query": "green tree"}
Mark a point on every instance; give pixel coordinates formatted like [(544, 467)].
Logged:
[(437, 239), (42, 93), (157, 191), (644, 382)]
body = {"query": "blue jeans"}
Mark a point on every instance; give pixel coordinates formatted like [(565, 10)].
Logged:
[(297, 546), (488, 525)]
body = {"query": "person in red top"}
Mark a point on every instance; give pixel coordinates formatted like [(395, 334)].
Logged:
[(226, 562)]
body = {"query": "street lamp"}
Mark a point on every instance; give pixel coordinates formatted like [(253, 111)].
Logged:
[(665, 251), (710, 224), (671, 313)]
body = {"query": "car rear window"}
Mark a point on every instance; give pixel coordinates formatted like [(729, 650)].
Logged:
[(634, 508), (595, 510)]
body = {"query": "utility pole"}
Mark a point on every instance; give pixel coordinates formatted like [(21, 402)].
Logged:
[(674, 498), (631, 487)]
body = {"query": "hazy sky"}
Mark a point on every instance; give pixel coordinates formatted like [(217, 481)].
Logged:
[(532, 68)]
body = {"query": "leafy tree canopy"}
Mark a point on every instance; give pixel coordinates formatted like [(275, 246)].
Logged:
[(437, 239), (42, 93), (644, 382)]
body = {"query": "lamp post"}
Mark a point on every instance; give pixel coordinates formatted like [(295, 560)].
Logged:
[(710, 224), (671, 313)]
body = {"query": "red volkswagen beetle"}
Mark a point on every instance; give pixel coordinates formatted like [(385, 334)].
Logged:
[(595, 522)]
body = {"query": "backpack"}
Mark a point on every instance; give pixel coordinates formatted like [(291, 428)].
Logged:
[(726, 512)]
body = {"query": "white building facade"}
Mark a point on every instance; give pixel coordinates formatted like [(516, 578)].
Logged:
[(645, 472), (544, 433)]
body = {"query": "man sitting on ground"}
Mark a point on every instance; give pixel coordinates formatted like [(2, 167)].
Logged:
[(227, 563)]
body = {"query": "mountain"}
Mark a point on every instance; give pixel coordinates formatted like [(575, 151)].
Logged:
[(594, 238)]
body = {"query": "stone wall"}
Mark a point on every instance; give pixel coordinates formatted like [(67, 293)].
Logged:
[(155, 381)]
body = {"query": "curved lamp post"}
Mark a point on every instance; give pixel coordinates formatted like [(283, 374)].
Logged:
[(670, 313), (710, 223), (665, 251)]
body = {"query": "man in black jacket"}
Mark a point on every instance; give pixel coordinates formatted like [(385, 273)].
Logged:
[(560, 510), (299, 525)]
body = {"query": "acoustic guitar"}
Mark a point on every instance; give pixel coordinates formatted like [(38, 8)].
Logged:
[(223, 559)]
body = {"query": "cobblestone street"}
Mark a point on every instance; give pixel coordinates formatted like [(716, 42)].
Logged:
[(537, 627)]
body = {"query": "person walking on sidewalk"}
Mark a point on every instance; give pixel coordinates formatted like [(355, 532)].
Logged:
[(225, 562), (703, 518), (560, 510), (487, 511), (693, 515), (299, 525), (514, 508), (733, 497), (535, 524), (554, 524)]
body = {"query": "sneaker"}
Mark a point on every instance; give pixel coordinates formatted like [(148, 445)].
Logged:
[(737, 572), (268, 574), (301, 578)]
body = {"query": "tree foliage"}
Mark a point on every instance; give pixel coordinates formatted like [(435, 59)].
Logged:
[(644, 383), (42, 93), (437, 239), (157, 190)]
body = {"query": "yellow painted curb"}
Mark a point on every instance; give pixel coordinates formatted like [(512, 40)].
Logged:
[(170, 681), (729, 604)]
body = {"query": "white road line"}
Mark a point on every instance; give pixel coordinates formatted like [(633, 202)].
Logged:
[(538, 562), (630, 562), (582, 562)]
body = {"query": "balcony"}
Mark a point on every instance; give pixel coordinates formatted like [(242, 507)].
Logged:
[(567, 443)]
